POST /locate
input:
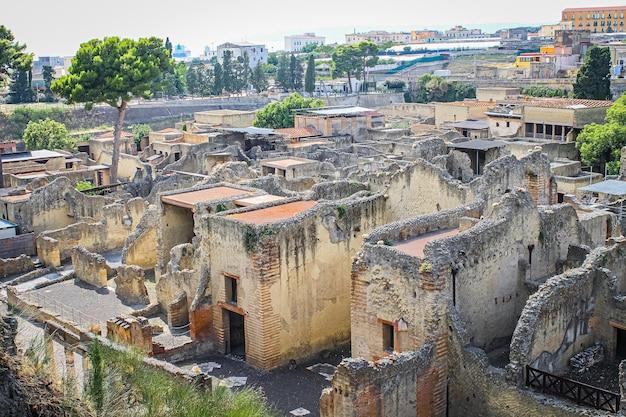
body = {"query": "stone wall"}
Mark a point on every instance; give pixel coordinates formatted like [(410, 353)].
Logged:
[(623, 163), (478, 389), (140, 247), (12, 266), (394, 387), (130, 285), (117, 222), (571, 312), (90, 267), (57, 205), (292, 277)]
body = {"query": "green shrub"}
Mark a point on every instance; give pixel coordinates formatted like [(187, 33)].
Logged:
[(47, 134), (83, 186)]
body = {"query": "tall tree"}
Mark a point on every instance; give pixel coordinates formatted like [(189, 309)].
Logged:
[(193, 82), (593, 80), (309, 79), (218, 79), (227, 72), (12, 55), (259, 80), (295, 73), (48, 78), (168, 45), (246, 71), (346, 61), (114, 71), (283, 75), (20, 90)]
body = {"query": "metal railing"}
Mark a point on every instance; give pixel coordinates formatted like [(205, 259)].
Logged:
[(82, 320), (577, 392)]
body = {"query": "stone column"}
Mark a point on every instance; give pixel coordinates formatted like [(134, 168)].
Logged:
[(70, 370)]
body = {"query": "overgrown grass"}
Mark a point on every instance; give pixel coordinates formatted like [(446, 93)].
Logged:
[(130, 388)]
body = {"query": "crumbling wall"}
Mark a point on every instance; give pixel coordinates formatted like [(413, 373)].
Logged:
[(12, 266), (128, 165), (140, 247), (57, 205), (532, 173), (623, 163), (394, 387), (570, 312), (179, 277), (336, 190), (131, 331), (477, 389), (111, 232), (130, 285), (419, 189), (90, 267)]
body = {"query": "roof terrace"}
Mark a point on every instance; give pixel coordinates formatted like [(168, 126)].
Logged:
[(190, 198), (415, 246), (273, 214)]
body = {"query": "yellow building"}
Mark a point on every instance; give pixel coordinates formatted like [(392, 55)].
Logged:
[(596, 19)]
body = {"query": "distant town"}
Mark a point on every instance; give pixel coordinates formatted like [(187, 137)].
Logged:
[(419, 223)]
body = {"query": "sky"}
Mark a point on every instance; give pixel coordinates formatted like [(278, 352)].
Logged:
[(58, 27)]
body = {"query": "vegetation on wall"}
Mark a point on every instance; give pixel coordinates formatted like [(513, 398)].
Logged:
[(279, 114), (83, 186), (47, 134), (252, 237), (429, 88), (540, 91), (600, 144)]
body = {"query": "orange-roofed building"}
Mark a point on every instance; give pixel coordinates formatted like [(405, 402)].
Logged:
[(280, 277)]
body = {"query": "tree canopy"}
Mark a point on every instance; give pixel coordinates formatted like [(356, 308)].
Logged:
[(429, 88), (114, 71), (47, 134), (12, 55), (279, 114), (593, 80), (353, 60), (600, 144)]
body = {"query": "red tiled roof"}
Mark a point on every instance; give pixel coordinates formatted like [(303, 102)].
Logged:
[(297, 132), (563, 103), (274, 213), (594, 9)]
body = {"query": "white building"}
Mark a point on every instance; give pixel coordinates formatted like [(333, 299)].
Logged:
[(378, 37), (459, 32), (295, 43), (257, 53)]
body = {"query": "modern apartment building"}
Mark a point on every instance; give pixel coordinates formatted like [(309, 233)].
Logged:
[(596, 19)]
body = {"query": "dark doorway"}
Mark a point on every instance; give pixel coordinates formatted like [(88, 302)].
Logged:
[(236, 333), (620, 344)]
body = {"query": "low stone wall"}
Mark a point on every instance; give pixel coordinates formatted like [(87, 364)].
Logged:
[(90, 267), (131, 331), (17, 265), (130, 285)]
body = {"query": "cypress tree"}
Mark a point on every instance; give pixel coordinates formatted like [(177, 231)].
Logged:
[(309, 79)]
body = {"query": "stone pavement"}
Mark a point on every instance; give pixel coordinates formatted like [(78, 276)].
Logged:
[(292, 392)]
